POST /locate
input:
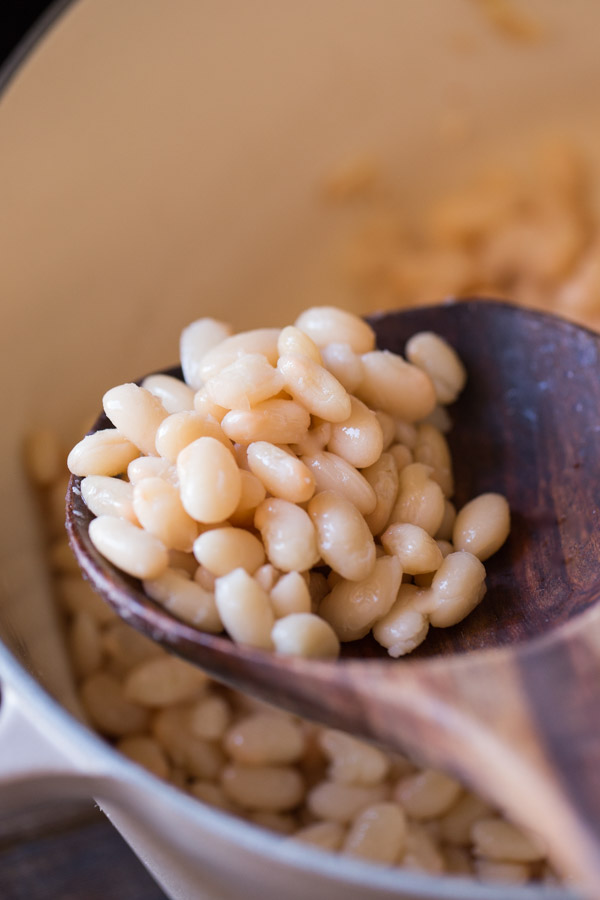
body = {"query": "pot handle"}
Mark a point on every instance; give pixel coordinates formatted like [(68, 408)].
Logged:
[(33, 770)]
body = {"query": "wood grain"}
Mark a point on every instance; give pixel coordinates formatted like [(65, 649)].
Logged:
[(516, 716)]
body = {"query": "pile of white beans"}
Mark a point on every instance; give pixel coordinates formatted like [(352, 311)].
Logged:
[(285, 450)]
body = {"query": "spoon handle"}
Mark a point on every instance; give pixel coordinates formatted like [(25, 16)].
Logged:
[(521, 725)]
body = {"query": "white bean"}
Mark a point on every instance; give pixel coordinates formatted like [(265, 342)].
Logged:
[(136, 413), (244, 609), (332, 473), (305, 634), (211, 485), (175, 395), (314, 387), (343, 537), (288, 535), (359, 438), (353, 607), (108, 496), (159, 510), (106, 452), (186, 599), (395, 386), (282, 473), (325, 324), (128, 547), (482, 525), (196, 340), (221, 550)]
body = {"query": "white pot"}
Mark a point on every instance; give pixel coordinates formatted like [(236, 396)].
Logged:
[(159, 162)]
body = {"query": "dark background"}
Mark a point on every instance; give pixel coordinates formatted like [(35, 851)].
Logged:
[(17, 17)]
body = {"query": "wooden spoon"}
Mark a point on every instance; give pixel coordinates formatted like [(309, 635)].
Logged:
[(508, 700)]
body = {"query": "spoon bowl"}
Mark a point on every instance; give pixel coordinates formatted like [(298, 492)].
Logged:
[(507, 699)]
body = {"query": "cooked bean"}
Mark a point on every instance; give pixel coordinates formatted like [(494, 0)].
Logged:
[(359, 438), (196, 340), (123, 647), (455, 825), (344, 363), (416, 550), (288, 534), (324, 323), (108, 708), (314, 387), (181, 429), (352, 761), (265, 739), (276, 421), (290, 595), (260, 340), (210, 717), (207, 408), (432, 450), (401, 455), (76, 595), (246, 381), (305, 634), (186, 599), (343, 537), (502, 872), (213, 795), (160, 512), (427, 794), (267, 576), (421, 851), (252, 495), (244, 609), (128, 547), (282, 473), (197, 757), (211, 486), (388, 428), (106, 452), (175, 395), (151, 467), (276, 788), (500, 840), (314, 440), (293, 341), (405, 625), (325, 835), (353, 607), (136, 413), (383, 478), (332, 473), (108, 496), (395, 386), (146, 752), (341, 803), (378, 834), (436, 357), (420, 500), (164, 681), (456, 589), (406, 433), (482, 525), (221, 550)]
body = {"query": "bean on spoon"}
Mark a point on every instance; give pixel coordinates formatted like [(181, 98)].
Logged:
[(508, 699)]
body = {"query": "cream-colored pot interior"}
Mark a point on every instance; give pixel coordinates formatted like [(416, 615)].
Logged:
[(161, 161)]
